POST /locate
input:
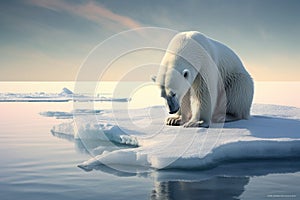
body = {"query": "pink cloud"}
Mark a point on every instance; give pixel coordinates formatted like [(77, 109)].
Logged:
[(91, 10)]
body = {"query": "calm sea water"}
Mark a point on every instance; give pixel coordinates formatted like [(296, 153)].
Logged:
[(37, 165)]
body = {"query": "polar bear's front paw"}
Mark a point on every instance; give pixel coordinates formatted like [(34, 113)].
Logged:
[(191, 124), (173, 121)]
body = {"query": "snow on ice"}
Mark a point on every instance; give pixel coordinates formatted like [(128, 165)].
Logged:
[(272, 132)]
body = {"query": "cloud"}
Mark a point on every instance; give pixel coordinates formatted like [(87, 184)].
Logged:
[(91, 11)]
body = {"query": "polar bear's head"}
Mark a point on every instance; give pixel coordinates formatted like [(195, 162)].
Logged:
[(179, 68), (175, 78)]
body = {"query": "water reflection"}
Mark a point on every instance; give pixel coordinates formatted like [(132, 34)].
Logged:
[(214, 188), (226, 181)]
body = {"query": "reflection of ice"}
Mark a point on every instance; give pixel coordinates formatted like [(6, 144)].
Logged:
[(215, 188), (226, 181), (64, 96)]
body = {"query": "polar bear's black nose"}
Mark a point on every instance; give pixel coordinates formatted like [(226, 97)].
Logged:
[(172, 103), (172, 94)]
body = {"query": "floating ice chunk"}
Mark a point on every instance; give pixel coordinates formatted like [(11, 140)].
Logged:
[(273, 132)]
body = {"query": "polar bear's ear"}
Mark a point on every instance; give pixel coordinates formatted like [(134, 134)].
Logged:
[(153, 78), (185, 73)]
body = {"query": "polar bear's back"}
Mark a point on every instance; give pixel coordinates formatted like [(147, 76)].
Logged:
[(225, 59)]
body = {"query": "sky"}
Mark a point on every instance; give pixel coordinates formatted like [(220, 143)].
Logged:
[(43, 40)]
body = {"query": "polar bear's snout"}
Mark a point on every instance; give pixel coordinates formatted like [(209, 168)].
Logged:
[(172, 103)]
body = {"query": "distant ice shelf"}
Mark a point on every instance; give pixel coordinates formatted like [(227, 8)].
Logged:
[(65, 95)]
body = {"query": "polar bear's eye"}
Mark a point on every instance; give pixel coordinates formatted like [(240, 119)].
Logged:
[(185, 73)]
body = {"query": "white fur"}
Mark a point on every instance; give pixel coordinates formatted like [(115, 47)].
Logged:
[(216, 86)]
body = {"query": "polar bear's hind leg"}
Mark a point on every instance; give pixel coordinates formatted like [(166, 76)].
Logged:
[(239, 94)]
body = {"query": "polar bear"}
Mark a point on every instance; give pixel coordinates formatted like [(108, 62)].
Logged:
[(204, 82)]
